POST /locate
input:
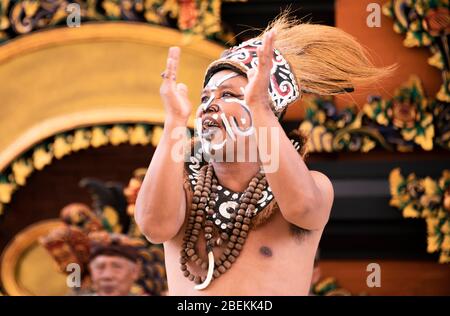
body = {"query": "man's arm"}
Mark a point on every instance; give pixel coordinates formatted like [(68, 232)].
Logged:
[(305, 197), (161, 204)]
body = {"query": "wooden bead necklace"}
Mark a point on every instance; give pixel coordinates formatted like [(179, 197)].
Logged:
[(201, 220)]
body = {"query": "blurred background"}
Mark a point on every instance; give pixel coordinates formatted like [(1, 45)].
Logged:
[(80, 114)]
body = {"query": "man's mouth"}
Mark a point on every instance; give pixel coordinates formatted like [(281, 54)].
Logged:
[(210, 123)]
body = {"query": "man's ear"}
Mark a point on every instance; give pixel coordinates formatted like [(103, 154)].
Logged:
[(88, 267)]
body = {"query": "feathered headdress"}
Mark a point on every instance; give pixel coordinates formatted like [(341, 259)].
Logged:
[(307, 58)]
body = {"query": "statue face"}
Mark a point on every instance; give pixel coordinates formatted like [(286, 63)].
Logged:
[(63, 255), (113, 275)]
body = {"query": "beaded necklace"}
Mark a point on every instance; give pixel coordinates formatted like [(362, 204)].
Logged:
[(201, 218)]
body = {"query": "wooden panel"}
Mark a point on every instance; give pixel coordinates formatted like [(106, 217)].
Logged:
[(362, 224), (397, 277), (387, 48)]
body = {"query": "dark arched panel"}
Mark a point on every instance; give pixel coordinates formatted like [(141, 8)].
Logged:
[(47, 191)]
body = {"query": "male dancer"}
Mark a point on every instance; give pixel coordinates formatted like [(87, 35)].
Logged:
[(247, 226)]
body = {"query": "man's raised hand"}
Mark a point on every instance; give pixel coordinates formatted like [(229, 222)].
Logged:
[(257, 89), (173, 95)]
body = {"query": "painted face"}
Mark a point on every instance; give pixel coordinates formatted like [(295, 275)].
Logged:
[(113, 275), (223, 115)]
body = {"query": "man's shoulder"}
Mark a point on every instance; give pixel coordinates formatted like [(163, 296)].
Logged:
[(322, 182)]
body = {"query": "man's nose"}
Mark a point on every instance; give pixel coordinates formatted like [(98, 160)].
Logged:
[(213, 108), (107, 273)]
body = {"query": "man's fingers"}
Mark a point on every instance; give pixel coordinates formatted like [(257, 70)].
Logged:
[(268, 45), (167, 74), (174, 52), (259, 77), (261, 74), (265, 53), (172, 64), (251, 73), (175, 55), (262, 61), (182, 89)]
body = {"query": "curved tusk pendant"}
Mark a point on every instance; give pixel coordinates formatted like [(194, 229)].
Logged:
[(209, 276)]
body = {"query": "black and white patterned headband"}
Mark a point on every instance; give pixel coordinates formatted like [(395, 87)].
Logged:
[(283, 88)]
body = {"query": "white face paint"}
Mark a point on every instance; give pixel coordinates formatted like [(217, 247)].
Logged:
[(231, 125)]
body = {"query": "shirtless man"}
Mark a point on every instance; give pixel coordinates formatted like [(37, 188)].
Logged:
[(257, 246)]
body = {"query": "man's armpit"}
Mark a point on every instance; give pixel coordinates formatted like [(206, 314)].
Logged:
[(298, 233)]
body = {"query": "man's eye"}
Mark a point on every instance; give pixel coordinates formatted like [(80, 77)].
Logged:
[(204, 99), (228, 95)]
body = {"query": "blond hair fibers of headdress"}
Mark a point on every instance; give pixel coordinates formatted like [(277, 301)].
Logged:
[(324, 59)]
